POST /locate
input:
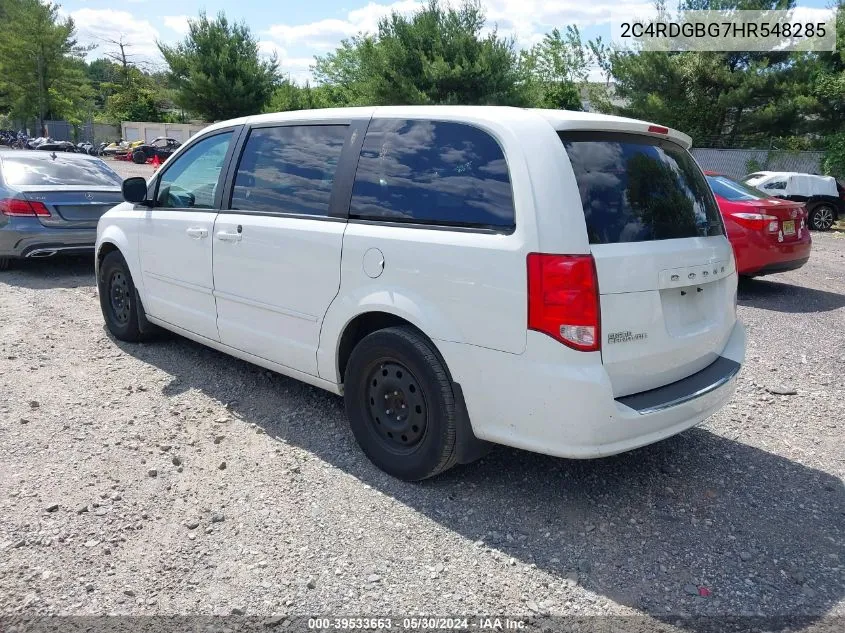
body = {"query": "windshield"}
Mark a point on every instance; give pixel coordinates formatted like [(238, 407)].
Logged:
[(30, 171), (734, 191), (639, 188)]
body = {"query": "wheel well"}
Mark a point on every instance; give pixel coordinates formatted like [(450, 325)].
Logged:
[(468, 447), (361, 326), (105, 249), (837, 204)]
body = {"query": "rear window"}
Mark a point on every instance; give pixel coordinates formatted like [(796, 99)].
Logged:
[(30, 171), (432, 172), (637, 188), (731, 190)]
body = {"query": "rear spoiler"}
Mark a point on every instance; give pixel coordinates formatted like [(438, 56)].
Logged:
[(597, 123)]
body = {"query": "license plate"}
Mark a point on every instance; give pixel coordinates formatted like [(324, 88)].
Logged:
[(789, 227)]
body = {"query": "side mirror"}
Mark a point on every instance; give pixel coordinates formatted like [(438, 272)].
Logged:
[(135, 190)]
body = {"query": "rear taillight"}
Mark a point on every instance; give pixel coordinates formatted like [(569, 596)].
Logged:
[(563, 299), (757, 221), (22, 207)]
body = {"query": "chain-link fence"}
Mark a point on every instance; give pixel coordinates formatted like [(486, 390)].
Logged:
[(737, 163)]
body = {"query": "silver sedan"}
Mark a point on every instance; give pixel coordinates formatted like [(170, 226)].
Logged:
[(50, 203)]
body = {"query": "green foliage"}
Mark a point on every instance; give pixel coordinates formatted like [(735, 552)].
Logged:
[(752, 165), (217, 71), (439, 55), (289, 96), (41, 69), (557, 68), (729, 99), (833, 163), (136, 98)]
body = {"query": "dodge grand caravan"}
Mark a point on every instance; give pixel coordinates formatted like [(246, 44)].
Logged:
[(555, 281)]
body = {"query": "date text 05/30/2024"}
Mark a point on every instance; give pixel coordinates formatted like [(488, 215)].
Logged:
[(417, 623)]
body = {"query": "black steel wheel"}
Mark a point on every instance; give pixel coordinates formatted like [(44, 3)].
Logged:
[(120, 301), (400, 403), (122, 310), (398, 413)]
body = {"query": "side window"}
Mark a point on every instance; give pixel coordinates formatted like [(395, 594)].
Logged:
[(191, 181), (432, 172), (288, 169), (779, 184)]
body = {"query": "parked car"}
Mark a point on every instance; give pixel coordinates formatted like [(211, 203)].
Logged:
[(555, 281), (821, 195), (56, 146), (161, 147), (121, 148), (768, 234), (50, 203)]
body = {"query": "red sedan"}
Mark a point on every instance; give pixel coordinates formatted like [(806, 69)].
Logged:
[(768, 235)]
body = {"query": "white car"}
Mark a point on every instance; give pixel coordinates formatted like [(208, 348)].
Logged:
[(555, 281), (822, 195)]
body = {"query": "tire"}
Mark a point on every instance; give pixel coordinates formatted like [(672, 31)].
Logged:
[(5, 263), (139, 157), (122, 311), (397, 371), (821, 217)]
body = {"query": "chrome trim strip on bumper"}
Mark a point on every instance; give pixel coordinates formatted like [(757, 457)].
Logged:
[(52, 250)]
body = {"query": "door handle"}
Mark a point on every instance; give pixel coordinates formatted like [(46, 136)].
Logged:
[(197, 233), (229, 237)]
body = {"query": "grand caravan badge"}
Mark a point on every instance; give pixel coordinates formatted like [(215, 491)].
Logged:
[(626, 337)]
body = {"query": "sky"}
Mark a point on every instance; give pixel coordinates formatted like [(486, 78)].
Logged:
[(298, 30)]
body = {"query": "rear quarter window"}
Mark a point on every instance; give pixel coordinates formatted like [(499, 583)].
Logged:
[(29, 171), (432, 172), (638, 188)]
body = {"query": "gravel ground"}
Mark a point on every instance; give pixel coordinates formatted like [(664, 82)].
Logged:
[(168, 478), (127, 168)]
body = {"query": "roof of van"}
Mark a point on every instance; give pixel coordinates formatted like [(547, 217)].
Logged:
[(558, 119)]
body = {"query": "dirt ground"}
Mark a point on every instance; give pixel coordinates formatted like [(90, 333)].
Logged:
[(167, 478)]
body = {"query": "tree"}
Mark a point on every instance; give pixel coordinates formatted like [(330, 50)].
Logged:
[(291, 96), (137, 98), (439, 55), (217, 71), (125, 92), (40, 62), (103, 75), (824, 85), (557, 68), (720, 99)]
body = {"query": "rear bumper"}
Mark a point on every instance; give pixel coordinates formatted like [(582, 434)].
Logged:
[(780, 267), (555, 401), (757, 255), (25, 237)]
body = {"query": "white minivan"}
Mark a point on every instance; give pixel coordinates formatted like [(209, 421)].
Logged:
[(554, 281)]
